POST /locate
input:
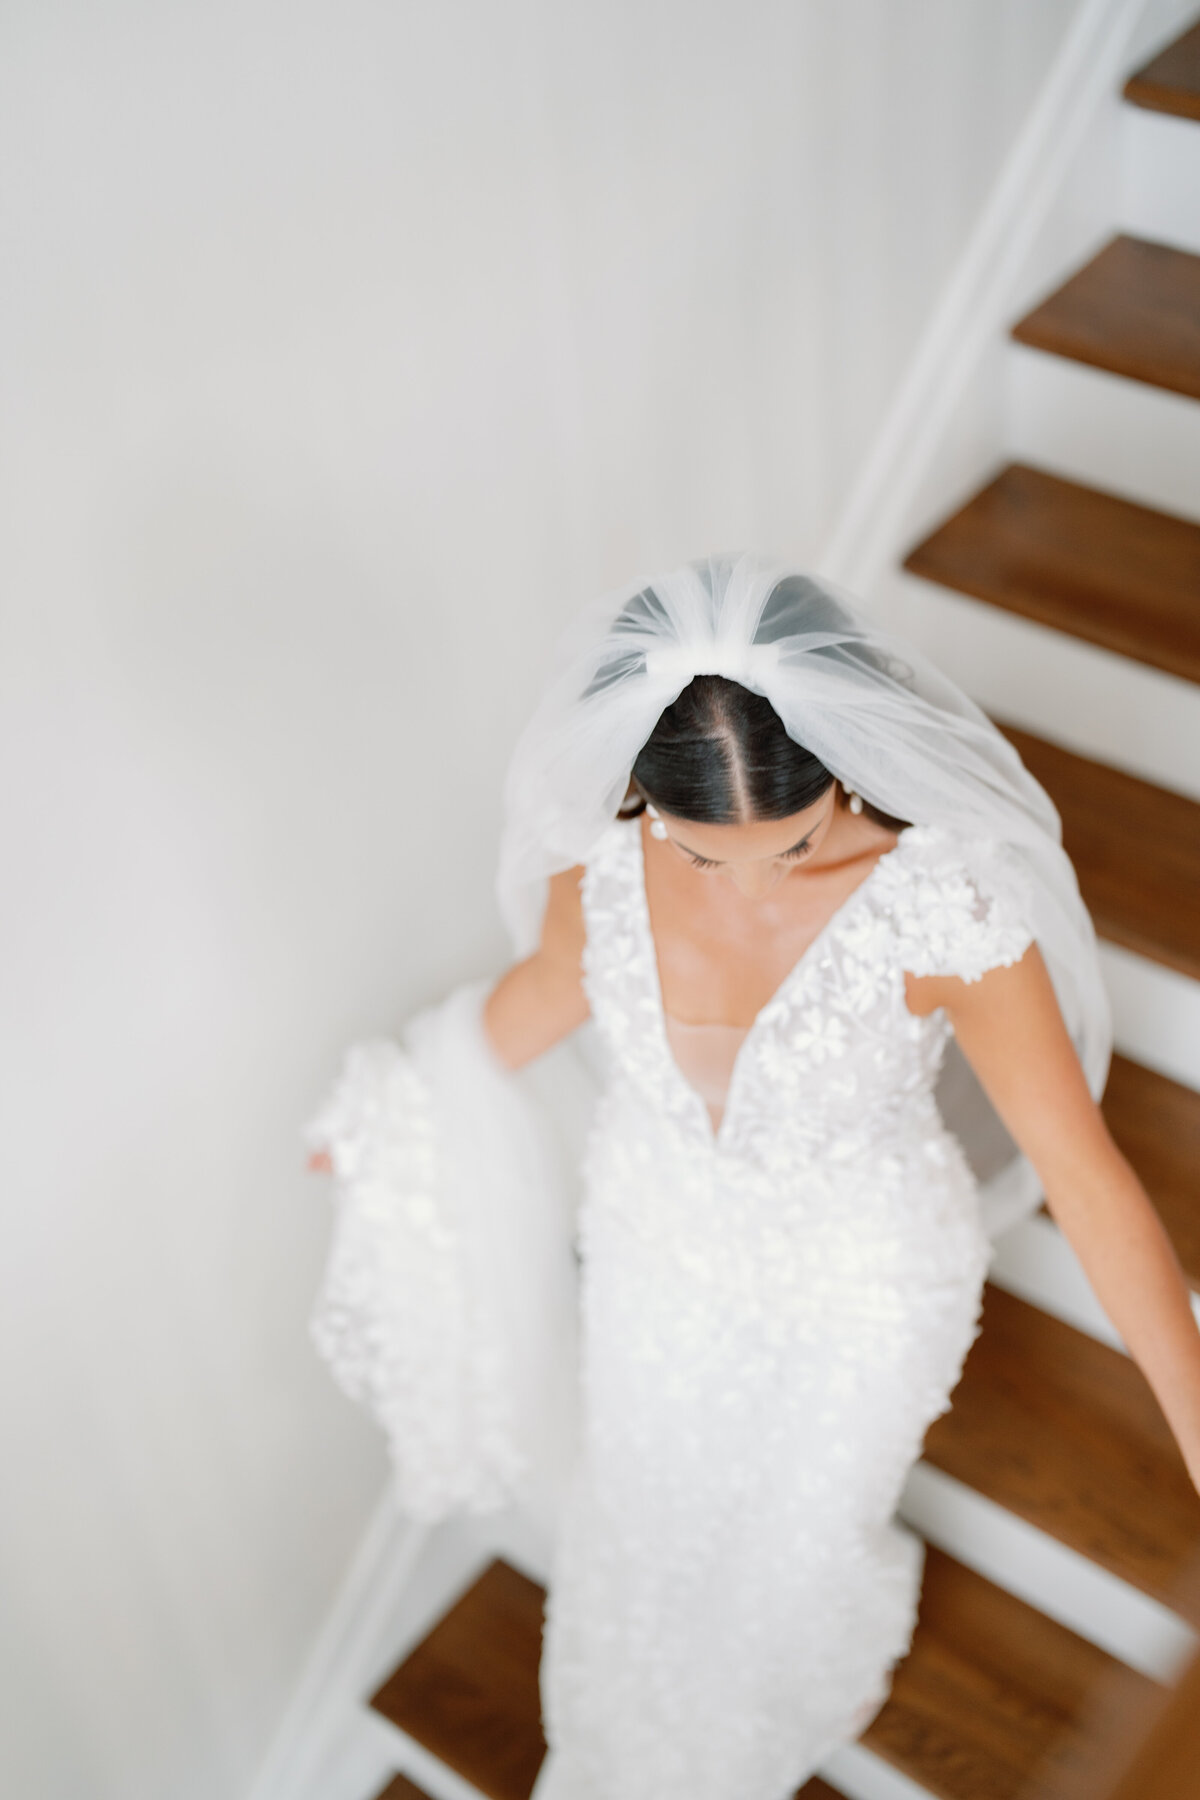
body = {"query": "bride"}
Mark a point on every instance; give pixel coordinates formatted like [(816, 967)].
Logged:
[(815, 920)]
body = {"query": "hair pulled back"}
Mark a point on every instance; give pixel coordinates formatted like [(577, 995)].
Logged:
[(719, 755)]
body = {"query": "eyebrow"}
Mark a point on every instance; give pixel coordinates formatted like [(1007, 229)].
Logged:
[(713, 859)]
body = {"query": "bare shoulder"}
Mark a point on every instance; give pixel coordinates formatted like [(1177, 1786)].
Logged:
[(1010, 989), (541, 999), (563, 930)]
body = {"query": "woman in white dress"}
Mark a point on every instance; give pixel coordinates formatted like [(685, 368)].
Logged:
[(787, 864)]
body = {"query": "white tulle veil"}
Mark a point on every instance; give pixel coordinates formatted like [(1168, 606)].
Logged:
[(880, 717)]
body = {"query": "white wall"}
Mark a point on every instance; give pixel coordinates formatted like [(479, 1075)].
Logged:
[(341, 341)]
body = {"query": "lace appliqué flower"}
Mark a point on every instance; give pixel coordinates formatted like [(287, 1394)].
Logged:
[(772, 1316)]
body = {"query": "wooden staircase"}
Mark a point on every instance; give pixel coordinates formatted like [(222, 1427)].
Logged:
[(1120, 575), (1133, 310), (987, 1706), (1171, 83), (997, 1700)]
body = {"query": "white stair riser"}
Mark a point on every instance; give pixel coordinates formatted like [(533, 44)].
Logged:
[(1046, 1574), (1035, 1262), (1094, 702), (1104, 431), (1156, 1013), (412, 1759), (855, 1772), (1160, 178)]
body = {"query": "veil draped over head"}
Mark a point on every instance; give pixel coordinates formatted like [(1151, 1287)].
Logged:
[(880, 717)]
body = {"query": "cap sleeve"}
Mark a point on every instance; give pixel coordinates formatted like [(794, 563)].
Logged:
[(962, 906)]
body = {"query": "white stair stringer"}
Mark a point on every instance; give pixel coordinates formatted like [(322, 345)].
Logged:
[(1160, 178), (1092, 701), (402, 1579), (1101, 430)]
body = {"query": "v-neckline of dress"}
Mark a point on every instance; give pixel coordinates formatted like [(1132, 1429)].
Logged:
[(718, 1136)]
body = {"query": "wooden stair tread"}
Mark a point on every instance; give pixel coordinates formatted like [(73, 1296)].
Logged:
[(469, 1690), (1135, 847), (1064, 1432), (1170, 82), (402, 1789), (1120, 575), (1134, 310), (991, 1703), (1155, 1123), (997, 1702)]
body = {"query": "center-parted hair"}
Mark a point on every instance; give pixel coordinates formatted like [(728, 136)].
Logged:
[(719, 755)]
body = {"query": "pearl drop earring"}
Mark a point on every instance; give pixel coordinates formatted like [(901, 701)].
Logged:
[(657, 828), (854, 801)]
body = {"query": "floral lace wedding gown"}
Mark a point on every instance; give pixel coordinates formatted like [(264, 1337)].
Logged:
[(771, 1315)]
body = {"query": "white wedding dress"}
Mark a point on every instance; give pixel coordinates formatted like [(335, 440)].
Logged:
[(766, 1318), (771, 1318)]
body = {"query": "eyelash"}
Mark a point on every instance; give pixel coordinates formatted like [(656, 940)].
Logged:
[(703, 862)]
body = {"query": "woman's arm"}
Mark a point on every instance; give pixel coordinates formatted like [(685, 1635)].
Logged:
[(539, 1001), (1012, 1032)]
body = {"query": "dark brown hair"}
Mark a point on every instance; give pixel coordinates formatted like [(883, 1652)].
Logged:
[(719, 755)]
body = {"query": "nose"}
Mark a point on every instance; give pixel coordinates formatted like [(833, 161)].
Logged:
[(755, 880)]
